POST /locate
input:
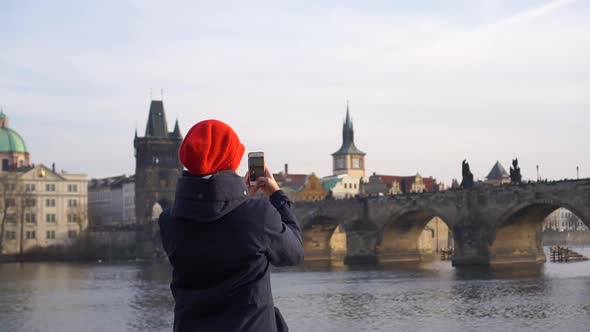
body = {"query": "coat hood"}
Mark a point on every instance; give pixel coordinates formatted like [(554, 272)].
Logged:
[(205, 200)]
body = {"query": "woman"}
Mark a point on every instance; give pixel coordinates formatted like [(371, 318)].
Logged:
[(220, 240)]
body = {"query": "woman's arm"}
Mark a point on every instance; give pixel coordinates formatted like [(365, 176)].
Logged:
[(282, 233)]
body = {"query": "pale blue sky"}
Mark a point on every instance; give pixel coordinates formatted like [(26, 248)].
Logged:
[(429, 82)]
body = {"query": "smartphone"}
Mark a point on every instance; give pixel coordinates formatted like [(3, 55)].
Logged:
[(255, 165)]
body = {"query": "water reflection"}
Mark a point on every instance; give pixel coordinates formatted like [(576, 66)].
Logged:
[(317, 297), (151, 303)]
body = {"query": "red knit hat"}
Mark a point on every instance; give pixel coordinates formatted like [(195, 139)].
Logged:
[(211, 146)]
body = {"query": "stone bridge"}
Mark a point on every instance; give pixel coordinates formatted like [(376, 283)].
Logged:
[(490, 224)]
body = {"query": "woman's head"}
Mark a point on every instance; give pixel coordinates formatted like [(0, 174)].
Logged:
[(211, 146)]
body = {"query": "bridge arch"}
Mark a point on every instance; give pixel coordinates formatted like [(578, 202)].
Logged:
[(518, 233), (414, 234), (324, 239)]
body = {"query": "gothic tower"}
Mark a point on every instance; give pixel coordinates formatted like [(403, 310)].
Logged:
[(349, 159), (157, 166)]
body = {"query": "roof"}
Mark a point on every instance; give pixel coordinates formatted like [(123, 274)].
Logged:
[(292, 181), (106, 183), (330, 183), (407, 181), (11, 141), (156, 125), (42, 169), (498, 172), (348, 146), (176, 133)]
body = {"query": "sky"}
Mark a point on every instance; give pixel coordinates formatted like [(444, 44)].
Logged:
[(429, 83)]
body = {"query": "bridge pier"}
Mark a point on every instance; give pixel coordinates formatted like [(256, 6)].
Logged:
[(472, 244), (361, 241), (521, 242)]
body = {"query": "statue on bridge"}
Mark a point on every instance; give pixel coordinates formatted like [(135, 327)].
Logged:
[(467, 181), (329, 195), (515, 176)]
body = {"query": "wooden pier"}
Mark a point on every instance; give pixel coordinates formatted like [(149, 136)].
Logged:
[(563, 254)]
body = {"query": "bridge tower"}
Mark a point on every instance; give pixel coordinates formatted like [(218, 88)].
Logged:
[(157, 169), (348, 159)]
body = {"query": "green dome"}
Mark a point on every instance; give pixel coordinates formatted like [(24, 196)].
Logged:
[(10, 141)]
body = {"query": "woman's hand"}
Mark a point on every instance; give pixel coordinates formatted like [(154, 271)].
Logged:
[(266, 184)]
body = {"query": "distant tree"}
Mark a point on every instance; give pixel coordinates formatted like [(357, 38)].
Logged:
[(79, 215), (15, 202)]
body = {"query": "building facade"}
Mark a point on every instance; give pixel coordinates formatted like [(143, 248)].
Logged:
[(380, 185), (342, 186), (41, 208), (157, 165), (312, 190), (111, 201), (564, 220)]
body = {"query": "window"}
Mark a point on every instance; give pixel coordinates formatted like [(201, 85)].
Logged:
[(345, 186), (50, 217), (72, 234), (31, 235), (30, 187), (50, 235), (10, 202), (72, 203), (30, 202), (10, 235), (73, 217), (339, 163), (72, 188), (50, 187), (50, 202), (356, 163), (355, 186), (31, 218)]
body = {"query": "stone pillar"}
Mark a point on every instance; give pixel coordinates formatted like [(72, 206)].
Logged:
[(361, 241), (518, 243), (472, 243)]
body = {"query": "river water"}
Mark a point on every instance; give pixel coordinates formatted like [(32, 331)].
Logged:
[(135, 296)]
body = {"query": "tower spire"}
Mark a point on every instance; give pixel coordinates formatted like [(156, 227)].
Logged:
[(347, 122), (176, 133)]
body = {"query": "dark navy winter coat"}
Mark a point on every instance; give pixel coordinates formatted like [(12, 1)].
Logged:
[(220, 243)]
